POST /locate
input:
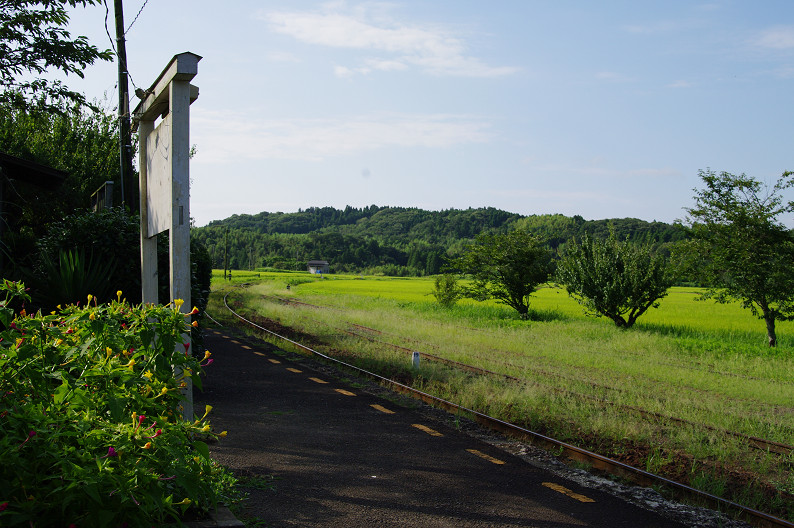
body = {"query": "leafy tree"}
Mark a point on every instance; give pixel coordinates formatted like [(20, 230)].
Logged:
[(33, 40), (505, 267), (83, 144), (446, 290), (740, 249), (613, 278)]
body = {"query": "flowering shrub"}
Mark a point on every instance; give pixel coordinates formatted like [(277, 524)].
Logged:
[(91, 432)]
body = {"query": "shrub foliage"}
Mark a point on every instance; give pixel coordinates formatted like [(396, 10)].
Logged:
[(613, 278), (91, 433)]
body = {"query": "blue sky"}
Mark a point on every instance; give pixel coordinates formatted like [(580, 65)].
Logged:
[(601, 109)]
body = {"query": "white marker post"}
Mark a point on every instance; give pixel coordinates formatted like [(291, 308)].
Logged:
[(165, 184)]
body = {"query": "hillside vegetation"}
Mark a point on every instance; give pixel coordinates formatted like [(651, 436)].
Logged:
[(395, 241)]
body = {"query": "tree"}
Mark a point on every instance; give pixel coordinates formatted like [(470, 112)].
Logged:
[(82, 143), (615, 279), (740, 249), (505, 267), (446, 290), (33, 40)]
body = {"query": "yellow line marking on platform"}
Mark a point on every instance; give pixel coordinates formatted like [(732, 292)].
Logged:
[(260, 354), (431, 432), (318, 380), (381, 408), (482, 455), (274, 361), (246, 347), (236, 342), (345, 392), (296, 371), (566, 491)]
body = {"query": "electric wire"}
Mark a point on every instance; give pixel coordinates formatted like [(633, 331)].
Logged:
[(136, 17)]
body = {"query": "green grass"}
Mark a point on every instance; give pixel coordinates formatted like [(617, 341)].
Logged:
[(583, 380)]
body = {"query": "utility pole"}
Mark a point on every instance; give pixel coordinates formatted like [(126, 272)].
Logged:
[(125, 135)]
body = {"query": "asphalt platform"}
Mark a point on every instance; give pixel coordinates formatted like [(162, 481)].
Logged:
[(338, 455)]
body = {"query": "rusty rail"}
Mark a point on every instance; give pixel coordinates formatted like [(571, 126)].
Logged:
[(613, 467)]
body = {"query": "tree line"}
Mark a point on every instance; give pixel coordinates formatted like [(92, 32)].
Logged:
[(394, 240)]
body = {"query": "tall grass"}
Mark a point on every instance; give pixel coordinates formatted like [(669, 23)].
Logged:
[(579, 378)]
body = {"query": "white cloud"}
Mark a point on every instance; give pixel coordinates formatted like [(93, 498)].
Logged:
[(432, 49), (780, 37), (680, 83), (225, 137)]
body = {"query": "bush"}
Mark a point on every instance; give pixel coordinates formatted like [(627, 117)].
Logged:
[(111, 236), (90, 428), (446, 290)]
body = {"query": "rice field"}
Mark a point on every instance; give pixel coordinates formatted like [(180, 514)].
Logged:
[(678, 394)]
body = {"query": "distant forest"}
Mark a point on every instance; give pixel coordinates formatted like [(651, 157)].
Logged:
[(396, 241)]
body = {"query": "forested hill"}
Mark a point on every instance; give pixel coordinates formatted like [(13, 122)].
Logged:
[(389, 224), (392, 240)]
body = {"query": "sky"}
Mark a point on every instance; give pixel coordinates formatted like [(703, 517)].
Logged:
[(600, 109)]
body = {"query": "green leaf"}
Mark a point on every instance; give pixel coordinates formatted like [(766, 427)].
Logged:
[(202, 448), (60, 393), (196, 381), (6, 316), (117, 406), (91, 491)]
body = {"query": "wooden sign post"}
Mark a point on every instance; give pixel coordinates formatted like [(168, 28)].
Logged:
[(165, 182)]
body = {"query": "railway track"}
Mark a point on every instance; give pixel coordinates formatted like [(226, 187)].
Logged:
[(599, 462), (366, 333), (758, 443)]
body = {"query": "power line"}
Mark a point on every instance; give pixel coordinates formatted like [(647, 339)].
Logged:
[(112, 44), (136, 19)]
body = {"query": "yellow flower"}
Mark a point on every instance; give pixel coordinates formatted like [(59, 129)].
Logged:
[(90, 297), (222, 434), (58, 342), (108, 351), (134, 416), (184, 501), (163, 391), (206, 355), (91, 315), (131, 364), (148, 445), (118, 294), (178, 303), (197, 460), (207, 410), (148, 374), (205, 429)]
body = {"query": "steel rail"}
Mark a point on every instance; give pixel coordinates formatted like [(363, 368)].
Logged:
[(753, 441), (602, 463)]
